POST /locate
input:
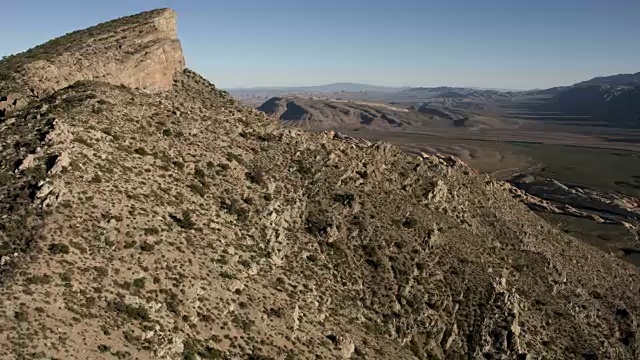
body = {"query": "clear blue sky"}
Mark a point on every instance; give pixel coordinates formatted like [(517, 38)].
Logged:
[(488, 43)]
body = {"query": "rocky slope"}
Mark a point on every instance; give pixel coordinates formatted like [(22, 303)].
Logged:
[(183, 225), (317, 114)]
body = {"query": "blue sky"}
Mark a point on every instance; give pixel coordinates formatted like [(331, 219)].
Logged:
[(488, 43)]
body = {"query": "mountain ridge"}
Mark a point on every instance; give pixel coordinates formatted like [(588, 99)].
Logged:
[(149, 62), (181, 224)]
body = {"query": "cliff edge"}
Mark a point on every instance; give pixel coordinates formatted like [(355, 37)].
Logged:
[(140, 51)]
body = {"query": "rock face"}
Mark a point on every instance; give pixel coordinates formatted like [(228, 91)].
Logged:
[(141, 51), (183, 225)]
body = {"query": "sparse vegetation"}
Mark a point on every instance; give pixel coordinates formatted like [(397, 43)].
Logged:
[(139, 283), (138, 312), (151, 231), (198, 189), (268, 241), (344, 199), (147, 247), (141, 151), (178, 164), (58, 248), (185, 221), (256, 176), (236, 208)]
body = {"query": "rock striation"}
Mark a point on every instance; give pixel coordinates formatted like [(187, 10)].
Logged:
[(141, 51)]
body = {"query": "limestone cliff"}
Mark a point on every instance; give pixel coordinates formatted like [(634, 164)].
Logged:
[(141, 51)]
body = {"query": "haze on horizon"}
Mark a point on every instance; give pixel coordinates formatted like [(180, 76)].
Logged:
[(492, 44)]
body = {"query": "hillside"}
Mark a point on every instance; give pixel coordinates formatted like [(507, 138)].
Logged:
[(610, 101), (320, 114), (324, 114), (161, 219), (612, 80), (617, 105)]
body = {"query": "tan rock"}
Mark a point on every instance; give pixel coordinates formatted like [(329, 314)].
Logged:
[(62, 161), (140, 51), (27, 163), (347, 348), (59, 135)]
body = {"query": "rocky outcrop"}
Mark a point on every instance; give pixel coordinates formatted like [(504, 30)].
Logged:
[(605, 205), (141, 51), (183, 225)]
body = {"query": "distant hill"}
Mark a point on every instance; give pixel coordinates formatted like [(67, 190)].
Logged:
[(618, 105), (347, 87), (257, 95), (613, 80), (328, 88), (328, 114), (614, 99), (352, 91), (454, 92), (610, 100), (319, 114)]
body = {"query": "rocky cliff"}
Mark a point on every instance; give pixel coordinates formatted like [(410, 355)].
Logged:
[(139, 52), (183, 225)]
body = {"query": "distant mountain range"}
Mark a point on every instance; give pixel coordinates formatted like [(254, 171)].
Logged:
[(328, 88), (613, 100), (347, 87), (322, 114), (614, 80)]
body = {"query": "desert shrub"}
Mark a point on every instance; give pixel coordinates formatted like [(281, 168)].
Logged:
[(58, 248), (139, 312), (147, 247), (410, 222), (184, 222), (200, 174), (179, 164), (139, 283), (151, 231), (236, 208), (198, 189), (344, 199), (256, 176), (141, 151)]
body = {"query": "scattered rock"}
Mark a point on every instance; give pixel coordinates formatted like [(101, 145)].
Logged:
[(62, 161), (26, 163)]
